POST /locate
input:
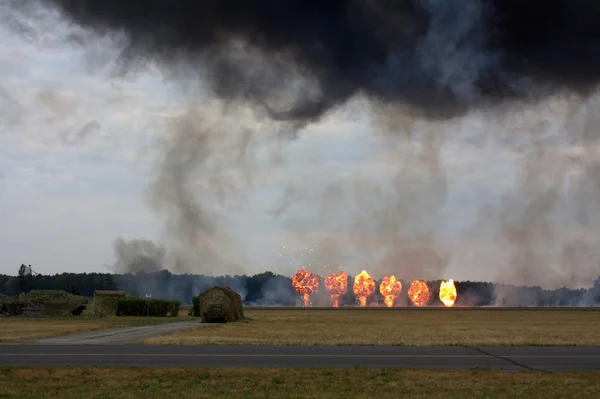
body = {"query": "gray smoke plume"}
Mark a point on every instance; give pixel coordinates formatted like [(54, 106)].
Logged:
[(548, 222), (201, 178), (481, 164), (138, 255)]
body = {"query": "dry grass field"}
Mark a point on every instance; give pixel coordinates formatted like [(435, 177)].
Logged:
[(400, 327), (20, 329), (291, 383)]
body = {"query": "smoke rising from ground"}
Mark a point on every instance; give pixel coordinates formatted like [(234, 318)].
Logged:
[(138, 255), (483, 160)]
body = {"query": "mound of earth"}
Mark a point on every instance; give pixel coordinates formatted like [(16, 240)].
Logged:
[(40, 296), (7, 299), (53, 302), (220, 304), (8, 306)]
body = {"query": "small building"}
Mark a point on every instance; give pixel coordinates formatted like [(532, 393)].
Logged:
[(110, 294)]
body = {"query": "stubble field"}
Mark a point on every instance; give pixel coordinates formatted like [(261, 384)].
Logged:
[(469, 327)]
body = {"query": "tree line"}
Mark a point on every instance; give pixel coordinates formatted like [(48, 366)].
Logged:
[(272, 289)]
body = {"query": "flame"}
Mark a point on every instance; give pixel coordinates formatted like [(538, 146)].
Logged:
[(305, 283), (390, 288), (448, 292), (364, 287), (418, 292), (336, 284)]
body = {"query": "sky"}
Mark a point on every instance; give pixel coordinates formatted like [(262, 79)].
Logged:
[(82, 145), (71, 159)]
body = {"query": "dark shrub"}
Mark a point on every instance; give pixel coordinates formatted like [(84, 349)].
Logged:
[(221, 304), (142, 307), (196, 306)]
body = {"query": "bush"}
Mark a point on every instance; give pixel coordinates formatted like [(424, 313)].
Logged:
[(195, 306), (220, 304), (11, 309), (142, 307), (101, 307)]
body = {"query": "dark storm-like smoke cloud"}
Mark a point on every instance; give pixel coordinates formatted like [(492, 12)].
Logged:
[(439, 58)]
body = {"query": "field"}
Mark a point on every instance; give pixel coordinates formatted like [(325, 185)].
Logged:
[(481, 327), (279, 383), (20, 329)]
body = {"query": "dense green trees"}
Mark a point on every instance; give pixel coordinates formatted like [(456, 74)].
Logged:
[(77, 283), (271, 289)]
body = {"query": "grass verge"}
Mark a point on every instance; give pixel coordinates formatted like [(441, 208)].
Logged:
[(291, 383), (399, 327), (20, 329)]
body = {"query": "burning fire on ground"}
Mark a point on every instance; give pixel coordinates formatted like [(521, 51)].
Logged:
[(336, 285), (448, 293), (364, 287), (305, 283), (390, 288), (418, 293)]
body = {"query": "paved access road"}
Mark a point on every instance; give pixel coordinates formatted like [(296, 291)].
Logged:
[(508, 358), (121, 336)]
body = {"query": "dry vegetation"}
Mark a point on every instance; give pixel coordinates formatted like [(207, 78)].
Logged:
[(400, 327), (279, 383), (20, 329)]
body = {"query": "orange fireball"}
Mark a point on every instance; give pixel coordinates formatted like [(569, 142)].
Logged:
[(305, 283), (364, 287), (390, 288), (447, 292), (336, 284), (418, 292)]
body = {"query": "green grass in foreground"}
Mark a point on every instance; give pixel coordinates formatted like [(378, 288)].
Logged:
[(291, 383), (20, 328)]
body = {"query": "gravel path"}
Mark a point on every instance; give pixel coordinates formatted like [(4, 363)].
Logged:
[(120, 336)]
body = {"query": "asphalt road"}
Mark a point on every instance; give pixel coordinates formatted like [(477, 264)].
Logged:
[(507, 358)]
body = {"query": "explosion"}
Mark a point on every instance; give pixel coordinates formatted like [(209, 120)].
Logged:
[(305, 283), (364, 287), (390, 288), (418, 292), (448, 292), (336, 284)]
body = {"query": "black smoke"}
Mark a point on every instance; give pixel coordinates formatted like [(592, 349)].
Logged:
[(438, 58)]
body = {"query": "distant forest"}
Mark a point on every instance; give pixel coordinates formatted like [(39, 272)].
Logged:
[(269, 289)]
